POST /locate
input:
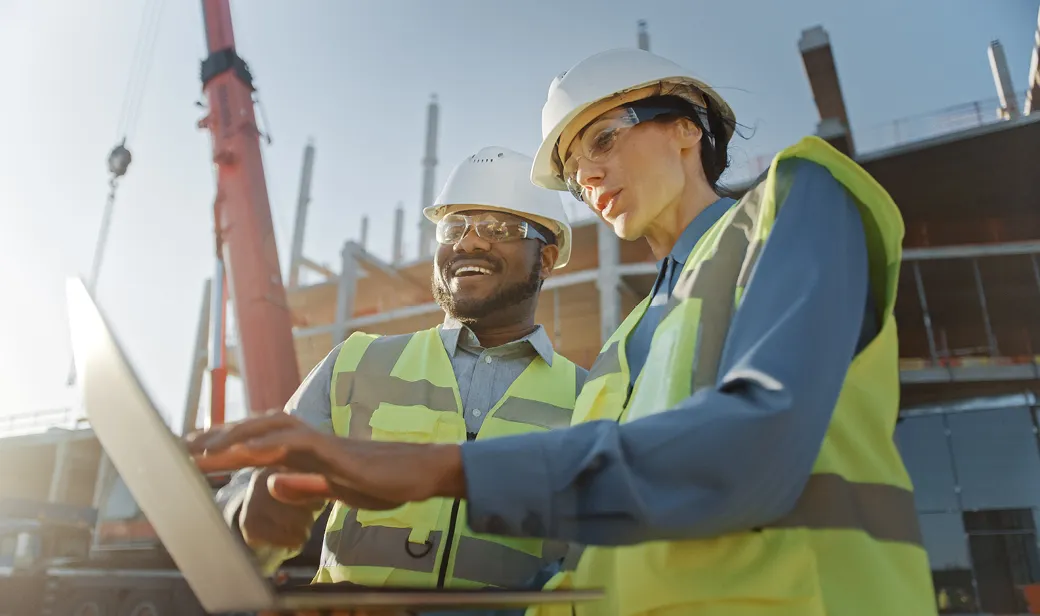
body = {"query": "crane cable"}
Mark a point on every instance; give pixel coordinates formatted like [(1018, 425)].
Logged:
[(140, 67), (119, 158)]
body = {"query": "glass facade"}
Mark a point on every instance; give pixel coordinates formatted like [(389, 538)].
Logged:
[(976, 479)]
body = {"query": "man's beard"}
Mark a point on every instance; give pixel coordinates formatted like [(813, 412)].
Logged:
[(469, 310)]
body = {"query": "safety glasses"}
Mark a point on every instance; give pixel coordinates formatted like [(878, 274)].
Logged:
[(597, 140), (453, 227)]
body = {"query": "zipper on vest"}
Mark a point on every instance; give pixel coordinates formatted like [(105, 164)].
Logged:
[(447, 544), (450, 539)]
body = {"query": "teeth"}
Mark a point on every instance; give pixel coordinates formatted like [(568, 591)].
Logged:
[(472, 268)]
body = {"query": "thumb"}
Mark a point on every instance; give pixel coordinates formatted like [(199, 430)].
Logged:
[(302, 489)]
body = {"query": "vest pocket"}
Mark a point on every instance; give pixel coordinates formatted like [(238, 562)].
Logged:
[(412, 424), (416, 424)]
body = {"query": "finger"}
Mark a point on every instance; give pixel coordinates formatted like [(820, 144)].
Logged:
[(300, 489), (241, 431), (198, 440), (360, 500), (296, 487), (238, 457)]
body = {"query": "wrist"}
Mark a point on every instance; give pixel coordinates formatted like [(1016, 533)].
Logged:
[(451, 476)]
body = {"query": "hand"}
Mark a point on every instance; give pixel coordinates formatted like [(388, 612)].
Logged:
[(282, 520), (361, 473)]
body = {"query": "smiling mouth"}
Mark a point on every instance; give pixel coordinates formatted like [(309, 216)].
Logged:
[(467, 271)]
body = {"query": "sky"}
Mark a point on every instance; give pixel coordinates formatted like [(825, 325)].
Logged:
[(356, 77)]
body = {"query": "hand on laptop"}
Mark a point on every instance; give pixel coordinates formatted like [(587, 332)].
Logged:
[(362, 473), (266, 520)]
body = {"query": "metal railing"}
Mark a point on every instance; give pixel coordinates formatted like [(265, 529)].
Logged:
[(41, 421), (920, 127), (868, 140)]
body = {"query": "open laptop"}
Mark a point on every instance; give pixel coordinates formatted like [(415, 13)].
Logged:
[(178, 503)]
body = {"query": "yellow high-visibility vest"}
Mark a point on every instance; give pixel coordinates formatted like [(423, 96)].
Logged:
[(402, 388), (851, 546)]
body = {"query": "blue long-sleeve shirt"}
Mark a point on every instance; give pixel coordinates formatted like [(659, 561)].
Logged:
[(730, 457)]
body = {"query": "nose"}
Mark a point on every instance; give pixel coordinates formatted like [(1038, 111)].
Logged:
[(588, 174), (471, 242)]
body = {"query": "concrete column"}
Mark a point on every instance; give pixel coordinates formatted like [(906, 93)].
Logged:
[(198, 364), (300, 226), (1002, 79), (642, 36), (105, 474), (429, 165), (608, 280), (345, 291), (398, 257), (1033, 95), (59, 475)]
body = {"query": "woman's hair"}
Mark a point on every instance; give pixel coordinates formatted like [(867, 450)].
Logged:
[(716, 130)]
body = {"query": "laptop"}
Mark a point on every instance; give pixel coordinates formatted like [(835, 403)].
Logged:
[(178, 502)]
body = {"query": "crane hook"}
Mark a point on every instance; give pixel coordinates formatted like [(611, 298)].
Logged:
[(119, 160)]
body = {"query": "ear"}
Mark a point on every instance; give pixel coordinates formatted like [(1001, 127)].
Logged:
[(549, 254), (689, 134)]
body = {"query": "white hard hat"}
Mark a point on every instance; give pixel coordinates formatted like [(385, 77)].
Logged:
[(497, 178), (604, 76)]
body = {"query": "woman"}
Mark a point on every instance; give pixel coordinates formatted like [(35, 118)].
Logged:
[(771, 322), (732, 451)]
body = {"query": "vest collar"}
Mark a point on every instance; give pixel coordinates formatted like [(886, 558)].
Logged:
[(698, 227), (455, 334)]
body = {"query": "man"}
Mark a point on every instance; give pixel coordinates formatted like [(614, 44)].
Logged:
[(733, 450), (489, 370)]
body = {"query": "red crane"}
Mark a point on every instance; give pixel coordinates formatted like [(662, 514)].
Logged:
[(245, 241)]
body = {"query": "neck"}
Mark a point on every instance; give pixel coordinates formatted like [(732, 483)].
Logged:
[(664, 232), (492, 332)]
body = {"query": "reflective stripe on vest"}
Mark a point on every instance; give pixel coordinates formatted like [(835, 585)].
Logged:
[(851, 545), (485, 562), (407, 380)]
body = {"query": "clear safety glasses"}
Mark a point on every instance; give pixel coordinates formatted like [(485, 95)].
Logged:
[(596, 141), (453, 227)]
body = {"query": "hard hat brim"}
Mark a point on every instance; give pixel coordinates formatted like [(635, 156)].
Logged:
[(562, 229)]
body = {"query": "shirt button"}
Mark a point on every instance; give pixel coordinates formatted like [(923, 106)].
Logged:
[(476, 412), (487, 359)]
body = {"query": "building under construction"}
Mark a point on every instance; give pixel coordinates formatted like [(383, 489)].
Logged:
[(969, 296), (965, 179)]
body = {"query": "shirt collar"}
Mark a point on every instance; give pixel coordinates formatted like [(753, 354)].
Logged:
[(454, 334), (698, 227)]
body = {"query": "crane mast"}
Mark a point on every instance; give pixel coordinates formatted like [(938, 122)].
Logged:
[(246, 250)]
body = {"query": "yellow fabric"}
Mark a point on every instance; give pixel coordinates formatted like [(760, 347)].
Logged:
[(776, 571), (423, 362)]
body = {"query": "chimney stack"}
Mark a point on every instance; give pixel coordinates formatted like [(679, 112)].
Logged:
[(429, 164), (364, 233), (1002, 78), (642, 36), (815, 46), (1033, 95)]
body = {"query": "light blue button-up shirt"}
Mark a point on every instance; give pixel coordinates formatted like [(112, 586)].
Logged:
[(728, 458)]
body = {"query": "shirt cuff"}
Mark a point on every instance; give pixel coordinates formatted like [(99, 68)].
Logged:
[(523, 505)]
